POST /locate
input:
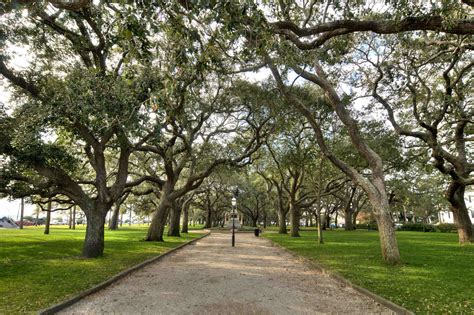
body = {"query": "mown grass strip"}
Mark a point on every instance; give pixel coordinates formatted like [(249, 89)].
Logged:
[(436, 274), (38, 270)]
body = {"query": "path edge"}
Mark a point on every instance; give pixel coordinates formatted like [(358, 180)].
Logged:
[(387, 303), (64, 304)]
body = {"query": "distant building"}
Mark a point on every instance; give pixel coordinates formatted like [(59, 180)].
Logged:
[(447, 216), (8, 223)]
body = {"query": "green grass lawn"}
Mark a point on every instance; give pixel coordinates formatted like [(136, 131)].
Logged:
[(38, 270), (436, 274)]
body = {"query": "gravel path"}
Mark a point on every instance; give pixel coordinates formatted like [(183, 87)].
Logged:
[(211, 277)]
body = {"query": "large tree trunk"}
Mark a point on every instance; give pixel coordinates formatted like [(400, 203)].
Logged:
[(175, 215), (208, 223), (455, 195), (282, 223), (113, 225), (184, 228), (354, 219), (94, 242), (348, 219), (254, 222), (48, 219), (158, 222), (294, 221), (327, 219), (388, 241)]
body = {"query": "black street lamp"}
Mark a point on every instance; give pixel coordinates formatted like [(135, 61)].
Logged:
[(234, 208), (234, 204)]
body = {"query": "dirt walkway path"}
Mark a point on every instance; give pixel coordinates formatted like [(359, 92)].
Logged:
[(211, 277)]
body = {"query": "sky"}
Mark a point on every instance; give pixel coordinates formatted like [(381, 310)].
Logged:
[(11, 209)]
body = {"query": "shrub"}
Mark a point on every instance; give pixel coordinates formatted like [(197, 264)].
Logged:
[(372, 226), (446, 228), (420, 227)]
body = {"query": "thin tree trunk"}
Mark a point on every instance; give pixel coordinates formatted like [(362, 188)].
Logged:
[(22, 212), (74, 217), (348, 211), (320, 230), (282, 212), (318, 202), (70, 218), (48, 219), (113, 224), (319, 219)]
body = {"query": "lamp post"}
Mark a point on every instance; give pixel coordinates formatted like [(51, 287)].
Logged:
[(234, 204)]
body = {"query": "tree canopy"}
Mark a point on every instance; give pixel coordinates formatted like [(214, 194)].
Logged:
[(317, 105)]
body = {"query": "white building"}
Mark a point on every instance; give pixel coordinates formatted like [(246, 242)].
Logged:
[(447, 216)]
